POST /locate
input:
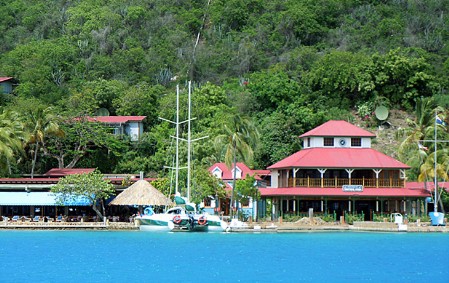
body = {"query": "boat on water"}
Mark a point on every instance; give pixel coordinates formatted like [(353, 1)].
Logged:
[(182, 217)]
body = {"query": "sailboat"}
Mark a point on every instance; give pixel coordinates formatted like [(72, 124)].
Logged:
[(184, 216), (436, 218)]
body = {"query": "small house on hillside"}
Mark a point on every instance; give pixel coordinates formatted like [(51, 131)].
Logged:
[(131, 126), (7, 85)]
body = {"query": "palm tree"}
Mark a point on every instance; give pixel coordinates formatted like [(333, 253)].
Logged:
[(427, 170), (41, 122), (11, 137), (237, 138), (412, 149)]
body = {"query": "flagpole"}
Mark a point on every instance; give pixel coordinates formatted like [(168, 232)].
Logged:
[(435, 205)]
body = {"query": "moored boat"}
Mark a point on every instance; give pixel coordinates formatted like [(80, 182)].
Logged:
[(184, 216), (179, 218)]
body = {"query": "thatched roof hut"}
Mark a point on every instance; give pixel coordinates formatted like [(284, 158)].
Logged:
[(141, 193)]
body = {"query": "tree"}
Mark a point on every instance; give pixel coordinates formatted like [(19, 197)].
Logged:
[(341, 79), (163, 185), (11, 138), (402, 76), (206, 186), (427, 171), (237, 139), (93, 95), (413, 149), (40, 122), (246, 190), (141, 99), (81, 137), (271, 90), (43, 68), (91, 186)]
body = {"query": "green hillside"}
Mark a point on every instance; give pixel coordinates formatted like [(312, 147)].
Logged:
[(278, 68)]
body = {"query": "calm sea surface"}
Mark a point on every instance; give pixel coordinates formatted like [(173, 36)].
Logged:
[(100, 256)]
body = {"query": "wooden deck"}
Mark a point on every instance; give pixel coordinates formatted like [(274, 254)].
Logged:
[(9, 225), (339, 182)]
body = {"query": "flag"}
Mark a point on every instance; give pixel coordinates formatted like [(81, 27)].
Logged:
[(439, 121), (421, 147)]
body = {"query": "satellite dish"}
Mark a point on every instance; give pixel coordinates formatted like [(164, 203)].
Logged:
[(102, 112), (381, 113)]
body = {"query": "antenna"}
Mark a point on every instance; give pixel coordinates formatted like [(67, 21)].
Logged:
[(102, 112), (381, 113)]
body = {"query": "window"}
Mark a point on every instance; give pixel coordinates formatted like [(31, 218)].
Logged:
[(217, 173), (207, 202), (328, 141), (356, 142), (308, 142), (238, 174)]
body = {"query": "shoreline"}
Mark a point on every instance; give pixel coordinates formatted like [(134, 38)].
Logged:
[(255, 227)]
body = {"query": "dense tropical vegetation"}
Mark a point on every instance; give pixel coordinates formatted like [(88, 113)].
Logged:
[(286, 65)]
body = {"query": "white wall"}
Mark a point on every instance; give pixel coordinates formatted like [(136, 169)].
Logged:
[(319, 142), (274, 179), (134, 130)]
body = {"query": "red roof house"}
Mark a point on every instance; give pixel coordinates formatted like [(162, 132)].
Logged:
[(337, 170), (7, 85), (221, 171), (131, 126)]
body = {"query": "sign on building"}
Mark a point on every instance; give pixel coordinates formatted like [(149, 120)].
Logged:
[(352, 188)]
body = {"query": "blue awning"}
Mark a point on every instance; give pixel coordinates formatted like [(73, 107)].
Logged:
[(39, 199)]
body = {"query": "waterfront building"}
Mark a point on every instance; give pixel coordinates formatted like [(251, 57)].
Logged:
[(30, 197), (338, 172), (221, 171)]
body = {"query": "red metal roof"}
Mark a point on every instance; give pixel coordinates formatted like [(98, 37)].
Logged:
[(39, 180), (338, 192), (339, 158), (262, 172), (116, 119), (428, 186), (227, 173), (337, 128), (4, 79), (56, 172), (55, 180)]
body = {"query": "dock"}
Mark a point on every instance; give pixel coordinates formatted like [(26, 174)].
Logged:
[(255, 227), (67, 226), (362, 226)]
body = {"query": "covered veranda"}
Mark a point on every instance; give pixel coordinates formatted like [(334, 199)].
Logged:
[(44, 204), (366, 201)]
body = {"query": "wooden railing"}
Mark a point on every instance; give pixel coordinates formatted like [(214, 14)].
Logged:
[(339, 182)]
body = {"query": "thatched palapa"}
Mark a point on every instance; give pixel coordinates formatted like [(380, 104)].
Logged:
[(141, 193)]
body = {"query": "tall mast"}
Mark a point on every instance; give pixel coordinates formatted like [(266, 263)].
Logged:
[(177, 123), (177, 141), (435, 204), (189, 141)]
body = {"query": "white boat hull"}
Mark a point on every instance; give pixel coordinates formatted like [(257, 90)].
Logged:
[(177, 220)]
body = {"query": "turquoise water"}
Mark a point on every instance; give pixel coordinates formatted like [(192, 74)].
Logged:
[(104, 256)]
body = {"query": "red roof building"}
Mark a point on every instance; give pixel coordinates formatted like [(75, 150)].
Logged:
[(338, 171), (7, 85), (21, 196), (221, 171), (131, 126)]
